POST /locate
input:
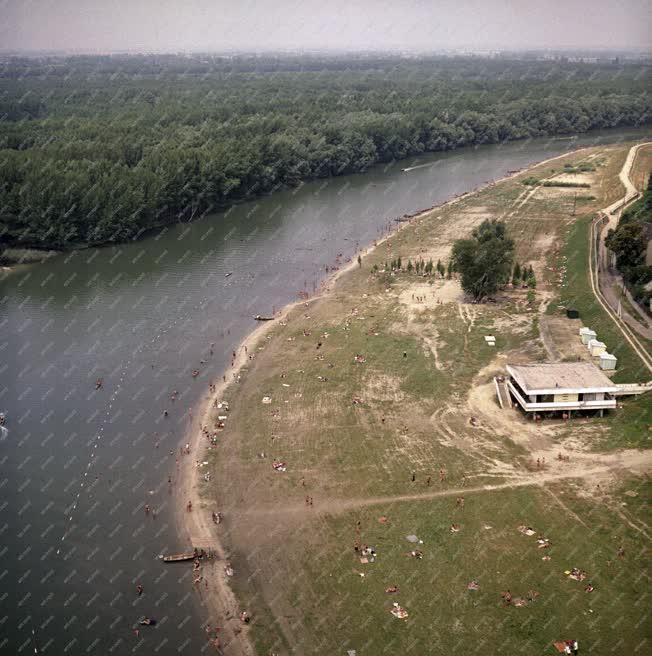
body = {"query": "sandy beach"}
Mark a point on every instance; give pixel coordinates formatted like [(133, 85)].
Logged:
[(196, 528)]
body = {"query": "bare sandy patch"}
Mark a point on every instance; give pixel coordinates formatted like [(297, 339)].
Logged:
[(519, 324), (420, 296), (575, 178), (449, 291), (509, 423), (544, 193), (544, 243)]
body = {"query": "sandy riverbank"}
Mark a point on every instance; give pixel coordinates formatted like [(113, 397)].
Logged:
[(196, 527)]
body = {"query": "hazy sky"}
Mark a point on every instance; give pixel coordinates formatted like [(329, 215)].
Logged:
[(215, 25)]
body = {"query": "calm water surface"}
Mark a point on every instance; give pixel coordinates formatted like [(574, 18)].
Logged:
[(78, 465)]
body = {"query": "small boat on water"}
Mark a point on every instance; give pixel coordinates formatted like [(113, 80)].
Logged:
[(259, 317), (2, 418), (229, 274), (147, 621)]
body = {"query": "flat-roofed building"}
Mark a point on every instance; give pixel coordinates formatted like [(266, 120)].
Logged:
[(560, 386)]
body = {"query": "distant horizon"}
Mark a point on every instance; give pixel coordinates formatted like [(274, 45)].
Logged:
[(558, 50), (420, 26)]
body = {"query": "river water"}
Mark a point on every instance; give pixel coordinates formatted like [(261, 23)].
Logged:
[(78, 465)]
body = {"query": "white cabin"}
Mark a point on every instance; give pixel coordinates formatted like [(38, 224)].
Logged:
[(562, 386), (608, 361), (596, 347), (586, 334)]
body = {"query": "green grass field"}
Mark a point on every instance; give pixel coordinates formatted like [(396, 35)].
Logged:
[(442, 611)]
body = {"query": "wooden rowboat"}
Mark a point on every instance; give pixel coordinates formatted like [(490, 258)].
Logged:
[(186, 555)]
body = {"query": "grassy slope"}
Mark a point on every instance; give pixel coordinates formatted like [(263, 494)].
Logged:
[(296, 566)]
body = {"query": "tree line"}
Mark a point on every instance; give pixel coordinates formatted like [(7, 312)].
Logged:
[(101, 149), (629, 243)]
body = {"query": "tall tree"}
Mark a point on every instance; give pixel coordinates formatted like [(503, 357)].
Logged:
[(484, 260), (629, 243)]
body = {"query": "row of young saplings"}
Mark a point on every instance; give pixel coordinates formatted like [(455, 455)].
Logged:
[(521, 275), (420, 267)]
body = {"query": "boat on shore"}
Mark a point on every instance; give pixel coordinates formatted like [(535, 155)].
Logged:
[(180, 557), (185, 555)]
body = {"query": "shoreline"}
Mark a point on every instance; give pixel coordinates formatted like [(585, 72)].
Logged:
[(197, 526)]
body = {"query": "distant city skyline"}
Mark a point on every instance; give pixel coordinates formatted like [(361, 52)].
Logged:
[(402, 25)]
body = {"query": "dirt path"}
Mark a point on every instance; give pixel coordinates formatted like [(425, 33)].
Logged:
[(635, 461)]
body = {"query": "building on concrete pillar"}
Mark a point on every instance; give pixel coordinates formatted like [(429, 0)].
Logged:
[(562, 387)]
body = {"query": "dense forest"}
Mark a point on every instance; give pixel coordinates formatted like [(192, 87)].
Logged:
[(629, 242), (101, 149)]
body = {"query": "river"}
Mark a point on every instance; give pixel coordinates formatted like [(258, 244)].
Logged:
[(79, 464)]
